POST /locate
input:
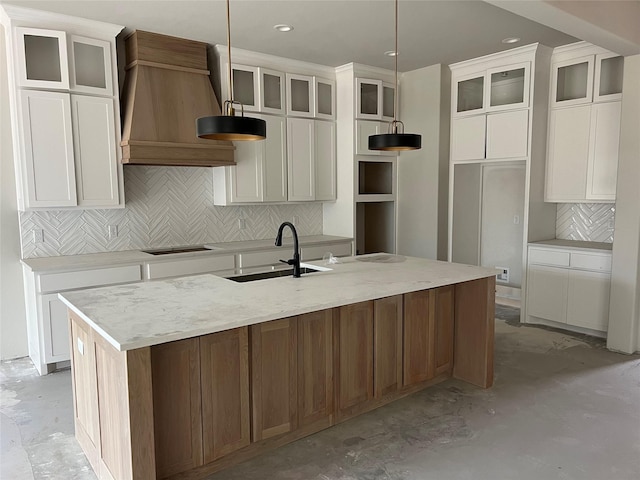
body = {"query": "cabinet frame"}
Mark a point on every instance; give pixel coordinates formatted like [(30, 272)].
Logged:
[(21, 71), (555, 66)]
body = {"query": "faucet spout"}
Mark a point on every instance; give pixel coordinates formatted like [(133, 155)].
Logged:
[(295, 261)]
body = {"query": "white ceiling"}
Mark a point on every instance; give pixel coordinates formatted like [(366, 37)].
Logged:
[(328, 32)]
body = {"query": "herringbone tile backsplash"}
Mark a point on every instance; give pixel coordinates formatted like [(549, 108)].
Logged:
[(589, 222), (165, 207)]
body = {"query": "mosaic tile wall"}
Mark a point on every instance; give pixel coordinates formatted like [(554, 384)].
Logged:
[(592, 222), (165, 207)]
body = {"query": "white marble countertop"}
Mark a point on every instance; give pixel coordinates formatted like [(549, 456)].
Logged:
[(573, 244), (129, 257), (150, 313)]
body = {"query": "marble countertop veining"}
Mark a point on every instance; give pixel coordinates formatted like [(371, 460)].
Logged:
[(128, 257), (150, 313), (579, 244)]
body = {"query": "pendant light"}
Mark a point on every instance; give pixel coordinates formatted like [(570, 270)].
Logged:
[(395, 139), (228, 126)]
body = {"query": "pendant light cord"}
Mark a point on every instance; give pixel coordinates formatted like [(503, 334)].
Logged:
[(229, 54), (395, 99)]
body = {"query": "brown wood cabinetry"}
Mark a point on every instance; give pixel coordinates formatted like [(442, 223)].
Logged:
[(444, 316), (177, 413), (315, 367), (354, 356), (274, 375), (387, 345), (224, 366), (419, 334)]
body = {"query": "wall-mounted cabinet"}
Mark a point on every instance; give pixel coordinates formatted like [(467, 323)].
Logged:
[(324, 98), (258, 89), (42, 59), (90, 66), (375, 99), (300, 100)]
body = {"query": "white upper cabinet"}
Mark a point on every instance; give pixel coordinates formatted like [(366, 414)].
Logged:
[(300, 101), (607, 84), (324, 98), (301, 156), (602, 164), (375, 100), (507, 134), (468, 94), (572, 81), (366, 128), (90, 66), (47, 140), (42, 59), (271, 92), (468, 138), (245, 86), (325, 160), (507, 87)]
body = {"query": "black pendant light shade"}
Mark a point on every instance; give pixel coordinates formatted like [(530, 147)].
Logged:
[(228, 127), (395, 139)]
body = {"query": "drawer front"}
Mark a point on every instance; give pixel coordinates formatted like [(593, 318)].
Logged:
[(585, 261), (191, 266), (270, 257), (57, 282), (549, 257), (318, 251)]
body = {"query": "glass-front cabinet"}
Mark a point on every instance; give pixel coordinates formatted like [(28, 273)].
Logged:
[(245, 86), (374, 99), (271, 91), (607, 84), (90, 66), (324, 98), (299, 95), (469, 95), (508, 87), (572, 81), (42, 59)]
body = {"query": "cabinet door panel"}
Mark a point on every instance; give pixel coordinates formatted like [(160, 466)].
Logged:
[(300, 153), (56, 329), (245, 177), (42, 58), (274, 378), (271, 92), (547, 293), (90, 62), (419, 334), (468, 138), (588, 299), (315, 366), (368, 99), (572, 81), (365, 128), (225, 392), (507, 134), (48, 144), (325, 159), (567, 154), (387, 334), (95, 151), (355, 352), (300, 101), (444, 329), (602, 171), (177, 415), (275, 159)]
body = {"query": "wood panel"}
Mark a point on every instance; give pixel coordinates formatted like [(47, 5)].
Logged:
[(225, 392), (315, 367), (474, 331), (154, 47), (444, 329), (177, 406), (354, 370), (387, 349), (274, 378), (419, 333)]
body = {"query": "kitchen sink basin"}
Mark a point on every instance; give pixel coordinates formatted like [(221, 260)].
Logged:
[(252, 277)]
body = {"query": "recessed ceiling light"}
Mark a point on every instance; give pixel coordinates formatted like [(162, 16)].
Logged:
[(390, 53), (283, 27), (511, 40)]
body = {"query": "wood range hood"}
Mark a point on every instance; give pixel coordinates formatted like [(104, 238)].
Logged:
[(166, 89)]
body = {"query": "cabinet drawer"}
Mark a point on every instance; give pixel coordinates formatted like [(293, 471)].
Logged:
[(270, 257), (191, 266), (318, 251), (56, 282), (549, 257), (600, 263)]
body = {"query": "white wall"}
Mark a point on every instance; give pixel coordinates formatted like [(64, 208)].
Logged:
[(624, 310), (419, 170), (13, 329)]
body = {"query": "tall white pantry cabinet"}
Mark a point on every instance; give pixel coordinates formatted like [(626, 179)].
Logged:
[(65, 115)]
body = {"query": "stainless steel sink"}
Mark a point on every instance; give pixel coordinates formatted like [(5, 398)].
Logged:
[(252, 277)]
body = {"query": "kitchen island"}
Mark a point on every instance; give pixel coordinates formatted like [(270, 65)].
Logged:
[(180, 378)]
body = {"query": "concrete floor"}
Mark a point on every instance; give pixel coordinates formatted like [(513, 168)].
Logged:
[(562, 407)]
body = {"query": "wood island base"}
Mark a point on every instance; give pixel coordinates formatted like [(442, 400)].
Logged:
[(186, 409)]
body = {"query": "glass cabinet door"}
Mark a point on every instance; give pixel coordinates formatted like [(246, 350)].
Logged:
[(324, 98), (572, 81), (608, 77), (245, 87), (271, 91), (42, 59), (299, 95), (388, 101), (469, 95), (368, 99), (508, 87), (90, 62)]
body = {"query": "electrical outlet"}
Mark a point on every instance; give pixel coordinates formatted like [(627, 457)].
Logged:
[(503, 274), (296, 220), (113, 231), (38, 235), (242, 224)]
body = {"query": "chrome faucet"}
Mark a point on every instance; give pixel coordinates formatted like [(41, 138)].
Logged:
[(295, 261)]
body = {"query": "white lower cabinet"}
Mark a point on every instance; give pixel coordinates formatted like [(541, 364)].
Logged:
[(569, 286), (188, 266), (260, 173), (54, 328)]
